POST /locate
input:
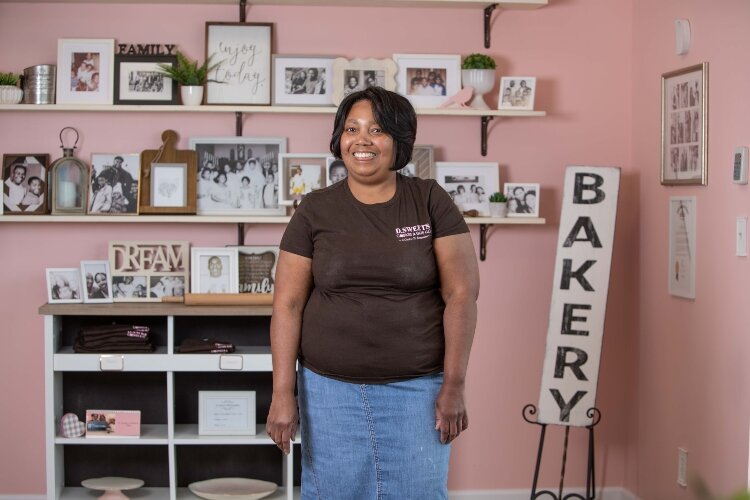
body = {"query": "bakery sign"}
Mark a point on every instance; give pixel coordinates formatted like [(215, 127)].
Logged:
[(579, 296), (145, 271)]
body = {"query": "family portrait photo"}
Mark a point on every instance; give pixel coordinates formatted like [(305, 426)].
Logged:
[(98, 280), (523, 199), (238, 175), (358, 79), (517, 92), (113, 188), (84, 72), (302, 80), (426, 81), (64, 285), (138, 80), (469, 184), (305, 80), (25, 183)]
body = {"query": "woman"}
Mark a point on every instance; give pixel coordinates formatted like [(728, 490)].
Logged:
[(376, 290)]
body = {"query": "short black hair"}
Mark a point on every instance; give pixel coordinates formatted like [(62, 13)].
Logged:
[(393, 112)]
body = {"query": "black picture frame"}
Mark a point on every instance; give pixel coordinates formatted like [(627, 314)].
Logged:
[(126, 64)]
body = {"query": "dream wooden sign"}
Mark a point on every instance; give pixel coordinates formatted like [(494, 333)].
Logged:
[(148, 270), (579, 295)]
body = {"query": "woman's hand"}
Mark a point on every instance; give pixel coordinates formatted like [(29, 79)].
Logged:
[(450, 413), (282, 421)]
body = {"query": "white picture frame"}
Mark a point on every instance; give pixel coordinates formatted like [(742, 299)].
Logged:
[(85, 70), (123, 195), (302, 80), (242, 53), (238, 197), (380, 72), (169, 185), (682, 238), (64, 285), (431, 70), (214, 270), (300, 174), (226, 413), (517, 92), (96, 291), (525, 198), (464, 180)]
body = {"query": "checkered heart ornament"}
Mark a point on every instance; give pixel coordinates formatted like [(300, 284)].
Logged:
[(71, 427)]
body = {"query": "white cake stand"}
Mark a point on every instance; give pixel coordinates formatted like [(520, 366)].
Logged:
[(112, 486)]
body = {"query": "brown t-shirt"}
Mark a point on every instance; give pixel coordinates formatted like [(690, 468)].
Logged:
[(375, 314)]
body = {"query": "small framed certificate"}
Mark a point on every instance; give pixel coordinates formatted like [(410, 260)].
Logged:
[(224, 413)]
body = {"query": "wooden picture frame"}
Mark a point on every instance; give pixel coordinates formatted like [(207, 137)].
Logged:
[(684, 126), (363, 73), (242, 53), (30, 195), (138, 81), (146, 271), (168, 158)]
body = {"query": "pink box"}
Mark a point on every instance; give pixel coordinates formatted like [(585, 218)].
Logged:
[(113, 423)]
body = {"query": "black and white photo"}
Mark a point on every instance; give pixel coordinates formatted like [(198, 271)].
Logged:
[(335, 170), (358, 74), (302, 80), (469, 184), (64, 285), (238, 175), (166, 286), (129, 288), (97, 279), (523, 199), (113, 189), (25, 184), (213, 270), (517, 92), (138, 80)]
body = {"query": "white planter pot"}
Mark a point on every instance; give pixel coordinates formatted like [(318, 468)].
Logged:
[(10, 94), (483, 80), (498, 209), (192, 95)]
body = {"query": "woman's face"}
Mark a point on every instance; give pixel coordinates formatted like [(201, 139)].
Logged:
[(366, 149)]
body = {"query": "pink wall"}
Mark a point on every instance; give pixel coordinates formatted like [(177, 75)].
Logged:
[(692, 365), (580, 51)]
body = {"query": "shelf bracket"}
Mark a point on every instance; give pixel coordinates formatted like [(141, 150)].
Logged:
[(485, 123), (238, 123), (243, 10), (240, 233), (483, 241), (487, 18)]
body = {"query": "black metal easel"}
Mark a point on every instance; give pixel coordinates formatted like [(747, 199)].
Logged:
[(528, 411)]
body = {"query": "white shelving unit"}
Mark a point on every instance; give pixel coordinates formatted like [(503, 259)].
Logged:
[(167, 383)]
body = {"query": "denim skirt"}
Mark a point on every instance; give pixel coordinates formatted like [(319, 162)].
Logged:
[(371, 441)]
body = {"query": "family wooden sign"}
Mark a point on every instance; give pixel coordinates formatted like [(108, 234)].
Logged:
[(579, 295)]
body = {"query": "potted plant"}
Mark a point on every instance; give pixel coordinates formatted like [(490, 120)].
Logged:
[(478, 71), (498, 205), (10, 93), (190, 76)]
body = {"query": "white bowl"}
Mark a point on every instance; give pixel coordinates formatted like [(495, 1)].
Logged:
[(234, 488)]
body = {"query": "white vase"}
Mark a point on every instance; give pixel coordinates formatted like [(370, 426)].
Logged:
[(192, 95), (498, 209), (10, 94), (483, 80)]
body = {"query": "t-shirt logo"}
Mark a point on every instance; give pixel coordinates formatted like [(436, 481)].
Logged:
[(411, 233)]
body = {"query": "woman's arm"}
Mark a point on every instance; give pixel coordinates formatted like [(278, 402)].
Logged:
[(291, 291), (459, 284)]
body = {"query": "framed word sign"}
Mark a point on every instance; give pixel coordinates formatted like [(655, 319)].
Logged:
[(242, 54), (146, 271)]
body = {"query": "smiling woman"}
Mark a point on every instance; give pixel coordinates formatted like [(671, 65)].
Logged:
[(375, 296)]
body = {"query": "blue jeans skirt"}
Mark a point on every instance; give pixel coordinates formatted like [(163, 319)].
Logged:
[(371, 441)]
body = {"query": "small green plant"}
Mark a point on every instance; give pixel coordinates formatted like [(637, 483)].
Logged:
[(498, 198), (478, 61), (9, 79), (187, 72)]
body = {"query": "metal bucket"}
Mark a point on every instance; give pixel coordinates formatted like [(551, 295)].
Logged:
[(39, 84)]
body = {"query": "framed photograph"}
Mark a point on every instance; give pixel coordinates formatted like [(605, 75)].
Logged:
[(469, 184), (358, 74), (138, 81), (301, 174), (257, 268), (64, 285), (523, 199), (422, 163), (682, 217), (427, 80), (169, 185), (238, 175), (98, 281), (302, 80), (517, 92), (25, 183), (165, 285), (684, 126), (242, 52), (130, 288), (85, 69), (335, 170), (113, 189), (146, 271), (223, 413), (213, 270)]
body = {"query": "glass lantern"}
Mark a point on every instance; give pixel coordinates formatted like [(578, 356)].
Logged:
[(68, 180)]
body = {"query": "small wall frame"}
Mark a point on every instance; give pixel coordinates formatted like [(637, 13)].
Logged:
[(168, 179)]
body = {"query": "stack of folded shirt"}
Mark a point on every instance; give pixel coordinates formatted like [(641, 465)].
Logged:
[(114, 338), (211, 346)]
